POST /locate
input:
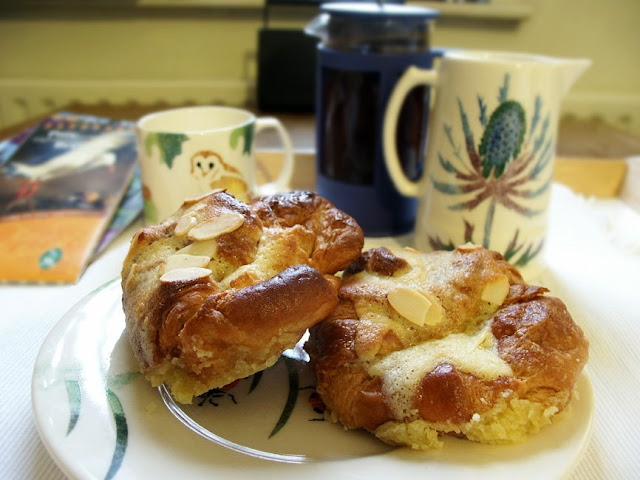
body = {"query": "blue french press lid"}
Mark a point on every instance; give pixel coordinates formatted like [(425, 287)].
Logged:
[(382, 28), (374, 10)]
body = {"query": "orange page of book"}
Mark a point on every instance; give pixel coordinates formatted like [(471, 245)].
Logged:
[(47, 249)]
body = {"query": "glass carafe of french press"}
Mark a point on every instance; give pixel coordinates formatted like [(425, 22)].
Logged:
[(364, 49)]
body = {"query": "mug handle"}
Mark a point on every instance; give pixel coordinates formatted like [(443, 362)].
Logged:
[(411, 78), (283, 181)]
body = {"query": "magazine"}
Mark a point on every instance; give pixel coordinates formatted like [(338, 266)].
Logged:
[(60, 189), (129, 209)]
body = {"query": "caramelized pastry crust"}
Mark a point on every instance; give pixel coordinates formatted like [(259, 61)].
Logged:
[(218, 290), (456, 343)]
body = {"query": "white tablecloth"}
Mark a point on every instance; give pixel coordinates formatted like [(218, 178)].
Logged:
[(593, 258)]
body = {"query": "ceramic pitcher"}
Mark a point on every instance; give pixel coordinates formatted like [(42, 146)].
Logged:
[(490, 151)]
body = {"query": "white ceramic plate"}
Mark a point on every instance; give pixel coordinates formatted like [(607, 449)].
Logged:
[(99, 418)]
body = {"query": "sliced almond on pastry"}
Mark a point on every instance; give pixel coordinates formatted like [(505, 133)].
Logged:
[(416, 306), (206, 248), (185, 274), (186, 223), (225, 223), (188, 220), (200, 196), (435, 313), (184, 260), (468, 247), (496, 290)]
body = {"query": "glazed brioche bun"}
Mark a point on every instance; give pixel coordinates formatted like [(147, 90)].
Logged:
[(445, 343), (221, 288)]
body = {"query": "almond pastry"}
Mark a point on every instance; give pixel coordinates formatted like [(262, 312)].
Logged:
[(423, 345), (221, 288)]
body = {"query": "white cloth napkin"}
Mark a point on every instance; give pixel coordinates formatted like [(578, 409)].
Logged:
[(594, 266)]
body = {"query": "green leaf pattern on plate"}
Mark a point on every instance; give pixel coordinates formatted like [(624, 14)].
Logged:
[(74, 394), (122, 433), (118, 381), (75, 399), (292, 397)]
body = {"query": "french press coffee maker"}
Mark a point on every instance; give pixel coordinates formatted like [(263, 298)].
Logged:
[(364, 49)]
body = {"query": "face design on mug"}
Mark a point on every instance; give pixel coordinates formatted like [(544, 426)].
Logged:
[(211, 171)]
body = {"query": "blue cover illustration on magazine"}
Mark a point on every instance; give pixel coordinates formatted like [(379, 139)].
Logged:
[(59, 190)]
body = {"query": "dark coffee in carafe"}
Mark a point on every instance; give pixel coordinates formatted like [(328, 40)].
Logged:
[(365, 49)]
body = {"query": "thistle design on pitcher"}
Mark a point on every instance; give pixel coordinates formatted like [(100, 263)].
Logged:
[(499, 170)]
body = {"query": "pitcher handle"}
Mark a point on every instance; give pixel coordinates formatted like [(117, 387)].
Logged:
[(283, 182), (412, 78)]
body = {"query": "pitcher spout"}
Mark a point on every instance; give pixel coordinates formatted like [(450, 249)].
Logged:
[(569, 70)]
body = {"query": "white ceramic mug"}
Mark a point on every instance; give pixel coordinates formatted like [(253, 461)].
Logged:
[(189, 151), (490, 151)]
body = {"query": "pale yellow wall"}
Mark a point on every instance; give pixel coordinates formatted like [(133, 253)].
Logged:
[(160, 47), (53, 55)]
